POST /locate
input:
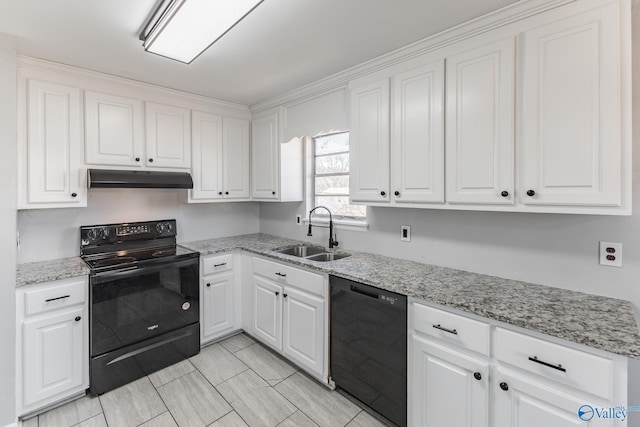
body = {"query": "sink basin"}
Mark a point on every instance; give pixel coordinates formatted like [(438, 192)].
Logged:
[(326, 256), (301, 251)]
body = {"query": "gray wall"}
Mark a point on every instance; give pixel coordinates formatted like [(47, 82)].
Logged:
[(8, 174), (54, 233)]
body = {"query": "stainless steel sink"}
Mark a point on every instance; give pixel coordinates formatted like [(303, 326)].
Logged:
[(326, 256), (301, 251)]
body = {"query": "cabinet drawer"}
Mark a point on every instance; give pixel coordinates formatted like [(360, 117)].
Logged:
[(305, 280), (452, 328), (217, 264), (575, 368), (52, 297)]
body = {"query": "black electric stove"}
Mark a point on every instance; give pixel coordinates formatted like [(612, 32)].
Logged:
[(144, 293)]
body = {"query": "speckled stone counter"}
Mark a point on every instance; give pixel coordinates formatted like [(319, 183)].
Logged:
[(600, 322), (45, 271)]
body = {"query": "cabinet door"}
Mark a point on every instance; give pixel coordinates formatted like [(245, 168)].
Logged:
[(571, 111), (265, 156), (445, 389), (206, 162), (114, 130), (168, 136), (417, 146), (480, 124), (235, 154), (218, 305), (369, 142), (55, 353), (303, 329), (53, 176), (528, 403), (267, 312)]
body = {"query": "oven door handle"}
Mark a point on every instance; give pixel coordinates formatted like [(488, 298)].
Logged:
[(112, 275)]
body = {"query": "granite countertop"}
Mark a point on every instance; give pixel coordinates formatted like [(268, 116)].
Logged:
[(599, 322), (44, 271)]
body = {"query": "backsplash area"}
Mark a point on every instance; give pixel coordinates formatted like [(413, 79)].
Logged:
[(54, 233)]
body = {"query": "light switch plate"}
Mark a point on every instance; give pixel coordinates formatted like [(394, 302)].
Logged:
[(611, 254)]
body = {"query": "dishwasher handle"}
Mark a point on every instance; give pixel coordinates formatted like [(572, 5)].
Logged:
[(364, 292)]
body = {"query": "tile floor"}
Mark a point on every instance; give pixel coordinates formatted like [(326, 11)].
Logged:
[(236, 382)]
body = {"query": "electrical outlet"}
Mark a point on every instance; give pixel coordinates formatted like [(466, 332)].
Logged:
[(405, 233), (298, 219), (611, 254)]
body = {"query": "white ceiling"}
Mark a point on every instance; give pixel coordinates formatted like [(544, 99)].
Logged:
[(281, 45)]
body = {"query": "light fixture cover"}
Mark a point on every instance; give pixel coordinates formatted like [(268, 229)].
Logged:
[(188, 27)]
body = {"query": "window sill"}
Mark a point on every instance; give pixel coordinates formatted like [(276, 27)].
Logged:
[(340, 224)]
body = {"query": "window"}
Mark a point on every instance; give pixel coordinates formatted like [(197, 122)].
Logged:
[(331, 177)]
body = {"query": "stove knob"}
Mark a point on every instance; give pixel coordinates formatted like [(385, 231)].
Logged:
[(105, 233), (168, 227), (159, 227), (92, 234)]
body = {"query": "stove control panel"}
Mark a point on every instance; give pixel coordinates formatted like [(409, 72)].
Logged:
[(111, 234), (128, 230)]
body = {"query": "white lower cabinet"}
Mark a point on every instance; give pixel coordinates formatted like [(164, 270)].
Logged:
[(219, 309), (53, 343), (449, 388), (289, 314), (516, 380)]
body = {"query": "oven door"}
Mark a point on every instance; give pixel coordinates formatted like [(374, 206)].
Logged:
[(130, 306)]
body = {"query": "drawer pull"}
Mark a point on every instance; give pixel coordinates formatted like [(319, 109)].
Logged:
[(504, 386), (477, 375), (219, 265), (451, 331), (281, 274), (77, 319), (550, 365), (54, 299)]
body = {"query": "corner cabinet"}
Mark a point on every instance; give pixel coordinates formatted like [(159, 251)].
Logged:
[(50, 145), (276, 166), (289, 313), (52, 343), (220, 158), (220, 297)]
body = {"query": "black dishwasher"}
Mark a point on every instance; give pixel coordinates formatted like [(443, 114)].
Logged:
[(369, 346)]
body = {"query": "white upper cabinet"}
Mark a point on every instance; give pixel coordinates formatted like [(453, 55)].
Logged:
[(114, 130), (235, 155), (276, 165), (480, 124), (50, 138), (206, 162), (572, 96), (536, 114), (168, 136), (369, 142), (417, 143), (265, 156)]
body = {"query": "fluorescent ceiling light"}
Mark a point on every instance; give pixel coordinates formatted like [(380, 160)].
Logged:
[(186, 28)]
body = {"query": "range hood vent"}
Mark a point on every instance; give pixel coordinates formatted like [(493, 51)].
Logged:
[(102, 178)]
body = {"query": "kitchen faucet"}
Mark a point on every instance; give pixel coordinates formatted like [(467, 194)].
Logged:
[(332, 241)]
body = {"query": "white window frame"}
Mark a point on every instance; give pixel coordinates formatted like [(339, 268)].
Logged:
[(321, 216)]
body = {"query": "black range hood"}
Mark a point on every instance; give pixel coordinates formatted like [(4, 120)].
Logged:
[(103, 178)]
